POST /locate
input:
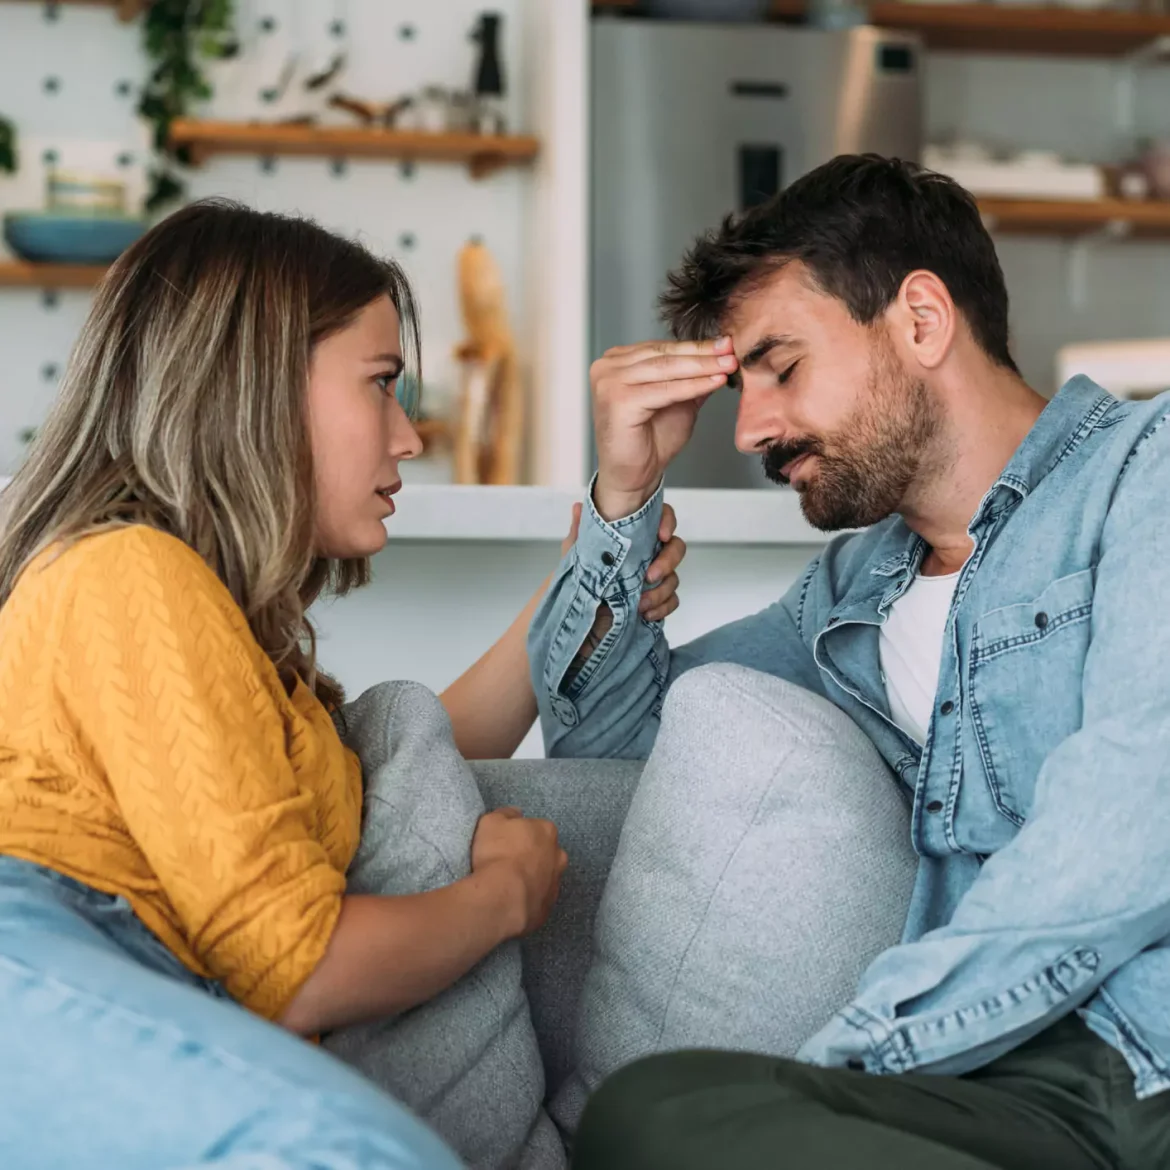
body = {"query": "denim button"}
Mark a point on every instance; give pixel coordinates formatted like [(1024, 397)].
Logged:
[(935, 806), (1041, 620), (607, 558), (947, 707)]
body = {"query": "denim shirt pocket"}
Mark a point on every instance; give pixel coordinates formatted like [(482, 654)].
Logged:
[(1027, 662)]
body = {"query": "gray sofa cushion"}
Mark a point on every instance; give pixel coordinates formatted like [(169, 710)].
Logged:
[(764, 861), (466, 1062), (587, 801)]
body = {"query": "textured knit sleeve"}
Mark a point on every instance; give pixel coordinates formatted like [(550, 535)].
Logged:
[(162, 675)]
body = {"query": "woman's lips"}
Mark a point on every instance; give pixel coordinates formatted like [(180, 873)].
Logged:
[(386, 494)]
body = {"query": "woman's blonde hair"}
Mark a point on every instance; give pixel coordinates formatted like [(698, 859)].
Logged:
[(184, 408)]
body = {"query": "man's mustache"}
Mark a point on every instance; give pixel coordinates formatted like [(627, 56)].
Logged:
[(781, 454)]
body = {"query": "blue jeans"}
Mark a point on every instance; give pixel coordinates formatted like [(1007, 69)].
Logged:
[(113, 1054)]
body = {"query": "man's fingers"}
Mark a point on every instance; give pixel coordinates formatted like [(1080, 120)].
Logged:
[(666, 345), (653, 396), (662, 367), (624, 354), (657, 395)]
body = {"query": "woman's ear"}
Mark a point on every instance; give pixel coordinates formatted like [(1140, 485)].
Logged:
[(924, 319)]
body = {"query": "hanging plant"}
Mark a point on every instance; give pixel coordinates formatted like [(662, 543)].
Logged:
[(7, 146), (177, 35)]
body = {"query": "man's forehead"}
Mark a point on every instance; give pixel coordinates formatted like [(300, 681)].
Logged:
[(777, 313)]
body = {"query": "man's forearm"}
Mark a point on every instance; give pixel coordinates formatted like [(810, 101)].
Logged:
[(602, 624)]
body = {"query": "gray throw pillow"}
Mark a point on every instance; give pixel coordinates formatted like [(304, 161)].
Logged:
[(764, 861), (466, 1062)]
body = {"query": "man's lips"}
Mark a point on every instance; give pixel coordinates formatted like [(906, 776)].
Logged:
[(791, 466)]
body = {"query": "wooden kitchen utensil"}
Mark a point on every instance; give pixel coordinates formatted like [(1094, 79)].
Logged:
[(490, 428)]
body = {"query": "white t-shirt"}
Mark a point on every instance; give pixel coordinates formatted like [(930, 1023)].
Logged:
[(910, 645)]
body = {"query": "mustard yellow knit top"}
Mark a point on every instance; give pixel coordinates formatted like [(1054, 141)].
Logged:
[(148, 748)]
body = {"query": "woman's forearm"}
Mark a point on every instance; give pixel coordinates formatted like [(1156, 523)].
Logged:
[(492, 705), (388, 954)]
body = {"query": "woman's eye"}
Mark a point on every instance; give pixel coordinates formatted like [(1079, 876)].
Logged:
[(386, 382), (784, 377)]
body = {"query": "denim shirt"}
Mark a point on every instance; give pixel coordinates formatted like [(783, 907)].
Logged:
[(1041, 798)]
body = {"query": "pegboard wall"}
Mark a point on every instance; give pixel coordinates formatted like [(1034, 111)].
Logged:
[(69, 80)]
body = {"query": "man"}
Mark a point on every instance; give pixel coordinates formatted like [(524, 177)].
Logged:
[(1000, 632)]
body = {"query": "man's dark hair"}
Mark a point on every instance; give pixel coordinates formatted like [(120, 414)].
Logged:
[(861, 224)]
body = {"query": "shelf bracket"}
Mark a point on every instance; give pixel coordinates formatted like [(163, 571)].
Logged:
[(1077, 259), (483, 165)]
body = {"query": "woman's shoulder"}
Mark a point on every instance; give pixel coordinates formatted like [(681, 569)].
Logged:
[(121, 550), (124, 560)]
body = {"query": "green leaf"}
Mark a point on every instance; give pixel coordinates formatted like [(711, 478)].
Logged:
[(174, 35), (8, 154)]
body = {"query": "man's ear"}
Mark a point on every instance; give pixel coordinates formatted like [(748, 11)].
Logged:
[(923, 319)]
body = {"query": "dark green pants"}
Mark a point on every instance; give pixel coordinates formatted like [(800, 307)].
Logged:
[(1064, 1101)]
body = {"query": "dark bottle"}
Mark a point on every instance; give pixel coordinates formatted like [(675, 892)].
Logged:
[(489, 74)]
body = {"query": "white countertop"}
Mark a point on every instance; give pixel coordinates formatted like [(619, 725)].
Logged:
[(767, 516)]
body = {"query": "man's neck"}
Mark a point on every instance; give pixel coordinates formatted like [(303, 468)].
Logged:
[(985, 421)]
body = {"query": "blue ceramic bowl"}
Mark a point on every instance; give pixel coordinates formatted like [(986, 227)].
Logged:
[(58, 238)]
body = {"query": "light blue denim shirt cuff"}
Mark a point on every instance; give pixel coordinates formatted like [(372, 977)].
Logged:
[(854, 1039), (613, 556)]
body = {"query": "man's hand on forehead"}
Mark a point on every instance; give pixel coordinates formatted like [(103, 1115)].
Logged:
[(645, 401)]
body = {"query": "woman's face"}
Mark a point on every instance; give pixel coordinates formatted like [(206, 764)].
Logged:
[(358, 432)]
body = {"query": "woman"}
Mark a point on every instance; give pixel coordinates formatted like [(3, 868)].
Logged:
[(177, 812)]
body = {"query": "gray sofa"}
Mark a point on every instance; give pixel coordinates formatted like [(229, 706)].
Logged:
[(587, 800), (726, 893)]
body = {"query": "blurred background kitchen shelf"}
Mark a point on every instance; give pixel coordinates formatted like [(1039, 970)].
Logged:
[(22, 274), (1071, 218), (127, 10), (483, 153), (994, 28)]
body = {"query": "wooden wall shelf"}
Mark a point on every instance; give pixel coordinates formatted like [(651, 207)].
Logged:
[(995, 28), (1121, 218), (482, 153), (20, 274), (126, 9), (1051, 217)]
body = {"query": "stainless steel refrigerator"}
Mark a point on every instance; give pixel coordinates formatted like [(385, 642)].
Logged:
[(692, 121)]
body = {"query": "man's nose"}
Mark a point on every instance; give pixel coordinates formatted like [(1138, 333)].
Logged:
[(758, 422)]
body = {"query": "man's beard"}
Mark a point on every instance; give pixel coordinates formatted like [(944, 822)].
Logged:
[(864, 471)]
